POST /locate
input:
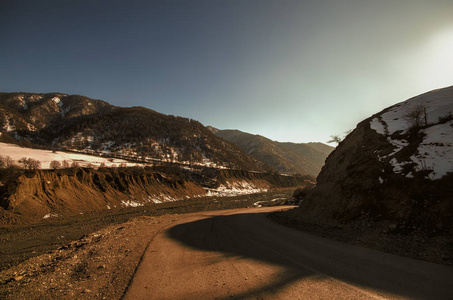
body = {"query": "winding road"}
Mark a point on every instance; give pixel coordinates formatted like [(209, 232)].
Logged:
[(241, 254)]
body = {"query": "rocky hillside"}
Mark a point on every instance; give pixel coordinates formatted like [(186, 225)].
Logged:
[(395, 170), (289, 158), (28, 196), (77, 123)]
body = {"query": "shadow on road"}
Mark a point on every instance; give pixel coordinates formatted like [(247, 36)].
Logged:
[(308, 258)]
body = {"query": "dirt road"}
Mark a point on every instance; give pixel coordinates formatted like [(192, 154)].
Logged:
[(240, 254)]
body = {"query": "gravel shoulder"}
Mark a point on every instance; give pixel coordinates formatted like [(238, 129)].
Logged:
[(96, 266)]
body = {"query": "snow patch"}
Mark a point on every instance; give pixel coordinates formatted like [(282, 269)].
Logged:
[(51, 215), (437, 104), (398, 166), (131, 203), (399, 144), (378, 126), (47, 156), (435, 152), (234, 189)]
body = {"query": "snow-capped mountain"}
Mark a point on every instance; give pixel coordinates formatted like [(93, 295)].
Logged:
[(78, 123), (396, 167)]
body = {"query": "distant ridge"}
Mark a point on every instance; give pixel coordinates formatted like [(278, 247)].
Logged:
[(290, 158)]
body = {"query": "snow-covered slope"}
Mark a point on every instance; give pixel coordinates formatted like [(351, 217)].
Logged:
[(45, 157), (435, 151)]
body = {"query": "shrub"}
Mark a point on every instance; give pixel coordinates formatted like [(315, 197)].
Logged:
[(30, 163), (65, 164), (55, 164)]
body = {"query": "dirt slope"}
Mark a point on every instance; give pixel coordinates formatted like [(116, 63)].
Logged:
[(37, 195)]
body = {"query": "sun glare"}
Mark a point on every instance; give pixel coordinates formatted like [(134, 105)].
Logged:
[(438, 66)]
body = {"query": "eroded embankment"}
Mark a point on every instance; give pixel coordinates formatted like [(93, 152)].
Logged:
[(32, 196)]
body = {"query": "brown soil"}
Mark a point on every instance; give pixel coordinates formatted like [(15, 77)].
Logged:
[(93, 255)]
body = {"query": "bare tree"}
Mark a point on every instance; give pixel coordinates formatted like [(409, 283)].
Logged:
[(8, 161), (24, 162), (335, 139), (30, 163), (65, 164), (55, 164), (33, 164), (416, 116)]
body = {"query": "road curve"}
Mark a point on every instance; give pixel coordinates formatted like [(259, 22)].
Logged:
[(241, 254)]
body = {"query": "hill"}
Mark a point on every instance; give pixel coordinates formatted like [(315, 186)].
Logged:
[(289, 158), (388, 184), (396, 166), (77, 123)]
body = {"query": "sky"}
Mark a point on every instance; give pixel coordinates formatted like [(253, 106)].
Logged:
[(296, 71)]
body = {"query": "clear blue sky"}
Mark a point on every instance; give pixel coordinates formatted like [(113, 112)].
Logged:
[(295, 71)]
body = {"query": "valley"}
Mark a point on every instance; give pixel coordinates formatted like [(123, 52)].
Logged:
[(97, 204), (226, 150)]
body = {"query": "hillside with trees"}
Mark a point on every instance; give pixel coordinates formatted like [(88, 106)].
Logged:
[(77, 123), (289, 158)]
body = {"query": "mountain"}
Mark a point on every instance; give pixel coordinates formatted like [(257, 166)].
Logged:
[(78, 123), (287, 158), (394, 170)]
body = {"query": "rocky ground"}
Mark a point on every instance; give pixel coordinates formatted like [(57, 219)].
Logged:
[(98, 265), (94, 256)]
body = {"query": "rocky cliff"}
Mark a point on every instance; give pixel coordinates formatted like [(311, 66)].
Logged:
[(395, 170)]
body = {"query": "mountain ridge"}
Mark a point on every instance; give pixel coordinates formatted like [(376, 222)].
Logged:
[(79, 123), (286, 157)]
